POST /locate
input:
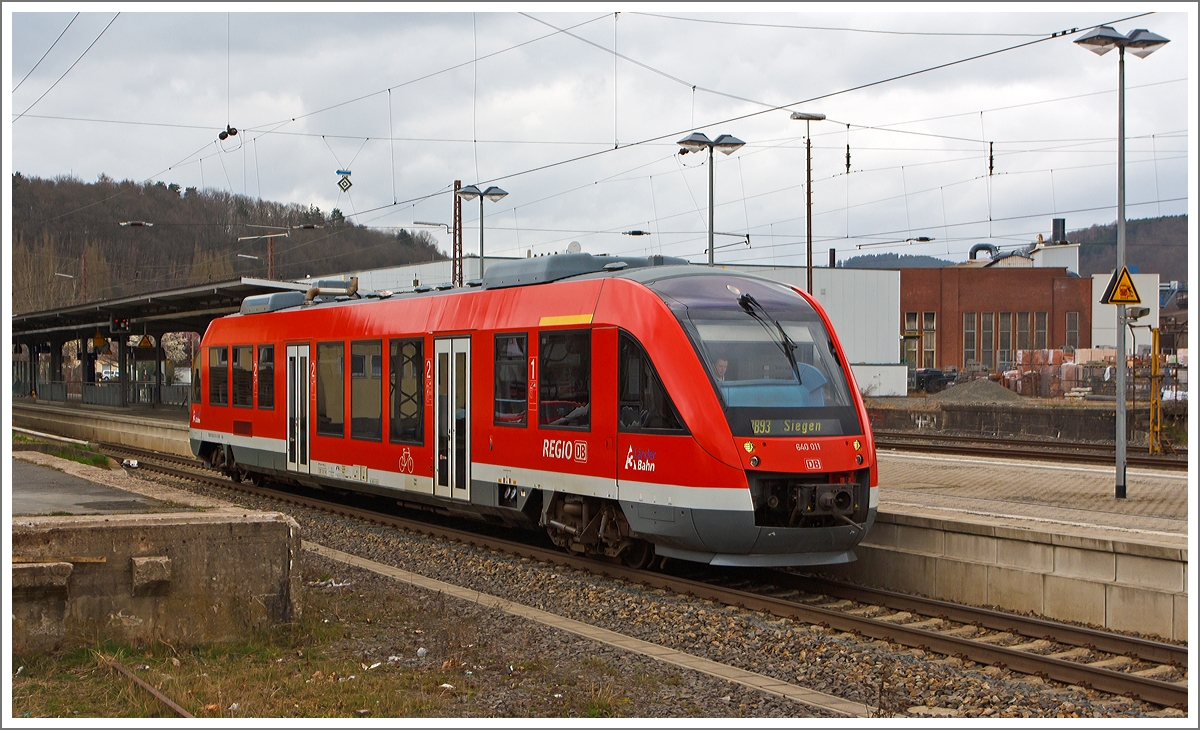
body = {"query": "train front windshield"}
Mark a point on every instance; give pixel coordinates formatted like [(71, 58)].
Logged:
[(768, 353)]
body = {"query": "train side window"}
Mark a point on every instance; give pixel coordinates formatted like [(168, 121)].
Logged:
[(266, 377), (366, 390), (406, 378), (243, 376), (197, 392), (512, 386), (565, 380), (218, 376), (642, 401), (331, 368)]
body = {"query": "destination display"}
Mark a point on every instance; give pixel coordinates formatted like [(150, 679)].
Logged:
[(796, 426)]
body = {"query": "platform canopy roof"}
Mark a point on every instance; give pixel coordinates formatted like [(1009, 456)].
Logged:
[(189, 309)]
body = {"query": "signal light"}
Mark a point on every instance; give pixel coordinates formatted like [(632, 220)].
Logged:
[(118, 324)]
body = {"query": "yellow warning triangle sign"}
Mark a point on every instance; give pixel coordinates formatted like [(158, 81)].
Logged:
[(145, 342), (1121, 289)]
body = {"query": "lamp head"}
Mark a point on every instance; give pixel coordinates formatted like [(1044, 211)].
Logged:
[(469, 193), (695, 142), (807, 116), (1135, 313), (493, 194), (1101, 39), (1142, 42), (727, 143)]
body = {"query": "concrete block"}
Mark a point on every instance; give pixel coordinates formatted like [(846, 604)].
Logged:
[(1092, 565), (1161, 575), (1015, 590), (985, 529), (1071, 599), (1162, 552), (1180, 621), (1141, 610), (962, 581), (893, 569), (150, 573), (920, 539), (1032, 556), (41, 576), (972, 548), (882, 534), (1083, 543), (1022, 534), (195, 577)]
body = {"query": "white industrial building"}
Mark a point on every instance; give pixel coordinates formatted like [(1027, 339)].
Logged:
[(863, 304)]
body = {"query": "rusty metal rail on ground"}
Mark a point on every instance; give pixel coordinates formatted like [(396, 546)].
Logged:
[(1062, 670)]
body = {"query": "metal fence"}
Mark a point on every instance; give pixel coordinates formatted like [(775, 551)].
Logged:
[(138, 393)]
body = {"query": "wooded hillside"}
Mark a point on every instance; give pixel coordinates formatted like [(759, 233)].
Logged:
[(68, 228), (1153, 245)]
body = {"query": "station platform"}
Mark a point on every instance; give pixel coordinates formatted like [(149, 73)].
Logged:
[(99, 553), (1029, 536), (1033, 536), (157, 429)]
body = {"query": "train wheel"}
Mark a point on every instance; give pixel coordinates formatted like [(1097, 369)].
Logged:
[(639, 555)]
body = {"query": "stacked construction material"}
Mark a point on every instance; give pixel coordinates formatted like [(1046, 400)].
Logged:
[(1053, 373)]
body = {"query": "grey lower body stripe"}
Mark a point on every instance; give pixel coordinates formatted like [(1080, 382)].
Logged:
[(753, 680)]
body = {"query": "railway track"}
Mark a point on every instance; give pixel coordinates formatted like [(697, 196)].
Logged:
[(1140, 668), (1024, 449)]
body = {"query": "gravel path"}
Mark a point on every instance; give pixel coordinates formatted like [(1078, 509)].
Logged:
[(899, 681)]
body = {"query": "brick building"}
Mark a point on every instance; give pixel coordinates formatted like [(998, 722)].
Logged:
[(966, 316)]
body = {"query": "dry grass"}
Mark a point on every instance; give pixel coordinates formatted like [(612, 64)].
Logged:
[(354, 654)]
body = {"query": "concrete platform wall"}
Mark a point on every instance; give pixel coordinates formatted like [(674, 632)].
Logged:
[(1058, 422), (1121, 585), (128, 429), (176, 577)]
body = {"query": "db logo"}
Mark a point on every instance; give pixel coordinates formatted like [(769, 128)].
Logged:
[(812, 464), (569, 450)]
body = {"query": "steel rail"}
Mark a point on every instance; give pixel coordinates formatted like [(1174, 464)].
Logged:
[(1106, 680), (150, 688), (1143, 649)]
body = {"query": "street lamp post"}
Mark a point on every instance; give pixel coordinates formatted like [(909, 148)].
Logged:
[(697, 141), (1141, 43), (808, 120), (493, 194)]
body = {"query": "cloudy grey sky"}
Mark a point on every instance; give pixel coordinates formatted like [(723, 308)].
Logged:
[(533, 99)]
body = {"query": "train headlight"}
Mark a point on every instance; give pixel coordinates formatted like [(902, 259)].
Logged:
[(858, 458), (857, 446), (749, 447), (753, 461)]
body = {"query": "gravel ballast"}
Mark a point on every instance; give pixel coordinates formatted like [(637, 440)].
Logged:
[(896, 680)]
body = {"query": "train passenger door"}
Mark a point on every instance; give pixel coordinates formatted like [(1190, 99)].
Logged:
[(452, 417), (297, 407)]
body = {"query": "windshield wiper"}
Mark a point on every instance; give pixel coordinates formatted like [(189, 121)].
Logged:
[(750, 304)]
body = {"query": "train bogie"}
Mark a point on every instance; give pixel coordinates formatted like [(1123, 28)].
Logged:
[(626, 407)]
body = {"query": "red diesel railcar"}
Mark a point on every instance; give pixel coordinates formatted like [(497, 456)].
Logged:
[(631, 407)]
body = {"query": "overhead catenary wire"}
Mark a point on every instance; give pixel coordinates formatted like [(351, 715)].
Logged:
[(64, 73), (47, 53)]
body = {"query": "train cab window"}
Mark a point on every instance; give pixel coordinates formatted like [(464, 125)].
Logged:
[(243, 376), (512, 385), (366, 390), (266, 377), (642, 402), (565, 380), (218, 376), (331, 420), (406, 381)]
